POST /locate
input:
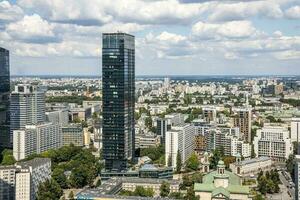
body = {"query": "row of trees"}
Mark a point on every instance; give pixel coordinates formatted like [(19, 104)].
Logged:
[(268, 182)]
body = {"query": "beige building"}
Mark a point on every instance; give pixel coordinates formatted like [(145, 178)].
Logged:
[(222, 184), (72, 134), (242, 119), (252, 166)]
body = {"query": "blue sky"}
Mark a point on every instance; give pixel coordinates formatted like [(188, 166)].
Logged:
[(173, 37)]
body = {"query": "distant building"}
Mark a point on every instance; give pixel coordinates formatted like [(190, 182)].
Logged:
[(273, 142), (222, 184), (151, 171), (72, 134), (146, 140), (295, 130), (209, 113), (94, 105), (21, 181), (5, 136), (242, 119), (118, 82), (162, 128), (60, 117), (27, 106), (252, 166), (80, 113), (36, 139), (175, 119), (179, 139)]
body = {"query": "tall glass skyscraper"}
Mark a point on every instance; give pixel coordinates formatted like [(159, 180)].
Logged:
[(5, 138), (118, 79)]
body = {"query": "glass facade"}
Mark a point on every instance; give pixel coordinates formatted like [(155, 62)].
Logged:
[(5, 138), (118, 77)]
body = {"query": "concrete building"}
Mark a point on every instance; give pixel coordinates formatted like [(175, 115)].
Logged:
[(209, 113), (27, 106), (80, 113), (146, 140), (21, 181), (273, 142), (179, 139), (175, 119), (7, 182), (222, 184), (36, 139), (72, 134), (252, 166), (295, 130), (94, 105), (242, 119), (60, 117), (162, 128)]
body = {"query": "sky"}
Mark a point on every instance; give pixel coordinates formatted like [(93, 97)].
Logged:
[(173, 37)]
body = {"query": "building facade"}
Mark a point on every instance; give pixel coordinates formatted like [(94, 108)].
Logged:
[(180, 139), (36, 139), (274, 142), (118, 78), (5, 137), (162, 128), (242, 119), (27, 106), (295, 130), (73, 134)]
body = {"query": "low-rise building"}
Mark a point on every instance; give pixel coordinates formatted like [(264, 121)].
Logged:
[(72, 134), (146, 140), (252, 166)]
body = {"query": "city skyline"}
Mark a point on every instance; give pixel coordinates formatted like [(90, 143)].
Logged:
[(195, 37)]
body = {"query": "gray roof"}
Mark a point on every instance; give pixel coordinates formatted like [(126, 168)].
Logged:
[(254, 160), (34, 162)]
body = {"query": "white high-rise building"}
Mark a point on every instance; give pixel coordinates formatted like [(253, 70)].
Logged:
[(295, 130), (297, 177), (179, 139), (36, 139), (7, 182), (27, 106), (274, 142)]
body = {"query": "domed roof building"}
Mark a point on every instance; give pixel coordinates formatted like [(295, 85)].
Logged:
[(222, 184)]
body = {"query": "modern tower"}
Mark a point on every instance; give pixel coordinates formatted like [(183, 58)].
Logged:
[(27, 106), (118, 79), (5, 138)]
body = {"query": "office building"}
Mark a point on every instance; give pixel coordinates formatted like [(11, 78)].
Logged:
[(27, 106), (5, 137), (60, 117), (295, 130), (118, 78), (274, 142), (36, 139), (162, 128), (146, 140), (7, 182), (242, 119), (180, 139), (73, 134)]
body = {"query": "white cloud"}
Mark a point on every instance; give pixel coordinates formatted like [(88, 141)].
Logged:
[(234, 29), (32, 29), (293, 12), (287, 55), (9, 13), (243, 10)]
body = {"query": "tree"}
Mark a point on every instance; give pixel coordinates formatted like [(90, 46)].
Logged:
[(148, 122), (192, 163), (258, 197), (176, 195), (290, 164), (59, 176), (50, 189), (8, 158), (95, 115), (142, 192), (217, 155), (228, 160), (178, 162), (190, 195), (164, 189)]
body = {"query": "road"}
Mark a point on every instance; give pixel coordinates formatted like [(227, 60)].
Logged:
[(286, 183), (284, 190)]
